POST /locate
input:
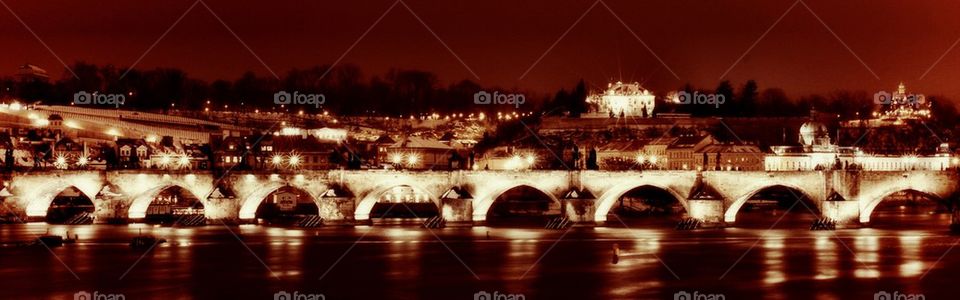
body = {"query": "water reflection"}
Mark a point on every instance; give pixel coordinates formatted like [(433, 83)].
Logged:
[(410, 262), (866, 250), (826, 258), (773, 260), (910, 246)]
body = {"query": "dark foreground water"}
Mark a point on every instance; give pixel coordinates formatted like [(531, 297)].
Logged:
[(455, 263)]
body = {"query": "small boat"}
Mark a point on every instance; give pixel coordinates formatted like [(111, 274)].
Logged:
[(145, 241), (70, 240)]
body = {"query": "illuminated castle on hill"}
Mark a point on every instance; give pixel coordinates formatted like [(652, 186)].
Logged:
[(621, 99)]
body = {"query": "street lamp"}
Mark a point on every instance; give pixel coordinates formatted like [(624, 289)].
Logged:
[(413, 159), (294, 160), (396, 158), (277, 160)]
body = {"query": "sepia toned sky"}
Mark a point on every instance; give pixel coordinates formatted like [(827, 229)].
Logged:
[(817, 46)]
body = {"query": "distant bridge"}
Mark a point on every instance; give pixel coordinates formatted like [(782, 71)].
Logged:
[(348, 196)]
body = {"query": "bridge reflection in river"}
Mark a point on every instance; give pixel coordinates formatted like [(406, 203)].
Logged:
[(409, 262)]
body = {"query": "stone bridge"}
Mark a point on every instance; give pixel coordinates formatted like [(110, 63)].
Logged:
[(586, 197)]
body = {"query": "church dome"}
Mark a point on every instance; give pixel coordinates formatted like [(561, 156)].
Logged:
[(814, 133)]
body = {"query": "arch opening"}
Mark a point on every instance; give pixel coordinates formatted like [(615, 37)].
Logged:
[(70, 206), (403, 204), (175, 204), (777, 206), (523, 206), (911, 209), (286, 205), (646, 206)]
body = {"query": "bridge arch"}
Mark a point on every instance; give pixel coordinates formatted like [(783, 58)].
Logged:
[(482, 207), (38, 199), (610, 197), (138, 208), (365, 205), (730, 215), (867, 211), (248, 208)]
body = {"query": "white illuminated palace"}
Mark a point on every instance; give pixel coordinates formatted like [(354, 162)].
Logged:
[(626, 99), (817, 152)]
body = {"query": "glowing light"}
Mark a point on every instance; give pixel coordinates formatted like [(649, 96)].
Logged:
[(184, 161), (396, 158), (413, 159), (164, 159), (61, 162), (113, 132), (294, 160), (641, 159), (653, 159), (15, 105), (151, 138), (277, 160), (531, 159), (83, 161)]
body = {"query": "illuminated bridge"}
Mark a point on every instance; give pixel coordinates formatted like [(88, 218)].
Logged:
[(465, 197)]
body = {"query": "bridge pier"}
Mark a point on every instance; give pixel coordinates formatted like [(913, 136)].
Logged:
[(337, 210), (457, 211), (579, 211), (710, 212), (845, 213)]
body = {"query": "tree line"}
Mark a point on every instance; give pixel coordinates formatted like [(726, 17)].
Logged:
[(398, 92)]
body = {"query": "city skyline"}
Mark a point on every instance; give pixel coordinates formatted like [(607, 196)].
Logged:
[(485, 150)]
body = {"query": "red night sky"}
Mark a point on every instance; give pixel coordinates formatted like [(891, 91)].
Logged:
[(816, 47)]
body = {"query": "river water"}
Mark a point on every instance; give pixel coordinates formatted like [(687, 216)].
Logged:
[(390, 262)]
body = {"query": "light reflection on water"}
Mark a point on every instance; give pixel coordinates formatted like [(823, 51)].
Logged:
[(368, 260), (867, 255), (827, 261)]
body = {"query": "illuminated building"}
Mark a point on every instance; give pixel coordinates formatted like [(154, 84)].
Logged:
[(895, 109), (904, 106), (817, 152), (626, 99)]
